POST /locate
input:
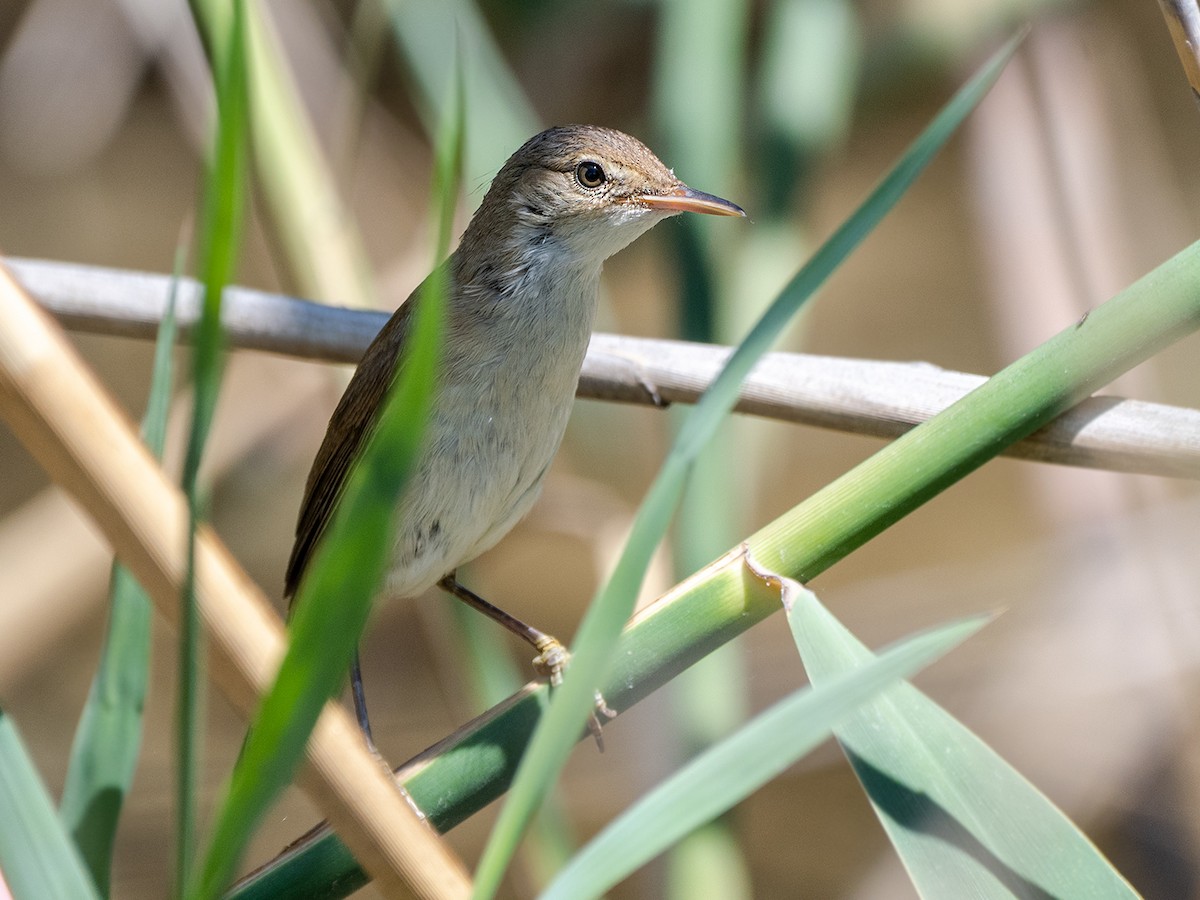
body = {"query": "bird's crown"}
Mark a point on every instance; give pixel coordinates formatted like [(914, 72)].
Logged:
[(589, 188)]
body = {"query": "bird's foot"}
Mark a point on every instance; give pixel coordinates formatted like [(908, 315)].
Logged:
[(550, 663), (595, 729), (551, 660)]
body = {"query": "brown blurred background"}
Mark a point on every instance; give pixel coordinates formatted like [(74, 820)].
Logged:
[(1075, 177)]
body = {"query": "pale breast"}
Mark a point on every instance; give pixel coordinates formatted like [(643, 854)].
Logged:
[(508, 386)]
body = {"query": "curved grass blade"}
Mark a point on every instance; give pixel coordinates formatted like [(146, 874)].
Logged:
[(436, 35), (598, 634), (37, 856), (965, 823), (223, 202), (334, 599), (107, 742), (462, 774), (299, 191), (731, 770), (489, 675), (699, 88)]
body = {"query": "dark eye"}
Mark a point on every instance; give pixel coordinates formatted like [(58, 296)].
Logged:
[(589, 174)]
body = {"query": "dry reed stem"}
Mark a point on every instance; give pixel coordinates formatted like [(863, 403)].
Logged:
[(872, 397), (54, 586), (1183, 21), (85, 443)]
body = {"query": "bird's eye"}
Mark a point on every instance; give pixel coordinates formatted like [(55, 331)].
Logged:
[(589, 174)]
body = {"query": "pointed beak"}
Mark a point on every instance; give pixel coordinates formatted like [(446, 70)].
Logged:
[(684, 199)]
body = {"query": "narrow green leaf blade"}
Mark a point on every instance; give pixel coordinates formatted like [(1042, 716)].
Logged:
[(444, 40), (559, 728), (334, 599), (965, 823), (731, 770), (720, 398), (37, 856), (598, 634), (108, 739), (158, 402), (299, 192), (224, 185), (472, 770)]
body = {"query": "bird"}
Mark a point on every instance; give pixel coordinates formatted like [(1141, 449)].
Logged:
[(519, 312)]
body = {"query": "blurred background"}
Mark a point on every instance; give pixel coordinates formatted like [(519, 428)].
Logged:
[(1075, 177)]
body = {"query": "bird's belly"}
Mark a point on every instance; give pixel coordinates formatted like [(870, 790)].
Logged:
[(508, 383), (481, 470)]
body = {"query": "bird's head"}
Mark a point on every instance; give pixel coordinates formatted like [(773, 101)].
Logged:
[(587, 191)]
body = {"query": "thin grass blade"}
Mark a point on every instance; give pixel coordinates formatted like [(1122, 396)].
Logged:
[(107, 742), (334, 599), (700, 88), (593, 650), (37, 855), (731, 770), (486, 670), (464, 774), (431, 35), (223, 202), (965, 823), (299, 191)]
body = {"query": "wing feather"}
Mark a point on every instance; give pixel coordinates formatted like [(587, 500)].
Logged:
[(349, 427)]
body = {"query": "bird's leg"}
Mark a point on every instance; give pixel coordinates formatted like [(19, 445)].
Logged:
[(552, 656), (360, 702)]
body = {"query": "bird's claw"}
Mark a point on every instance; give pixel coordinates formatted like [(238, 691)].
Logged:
[(550, 663), (602, 708), (551, 660), (594, 726)]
